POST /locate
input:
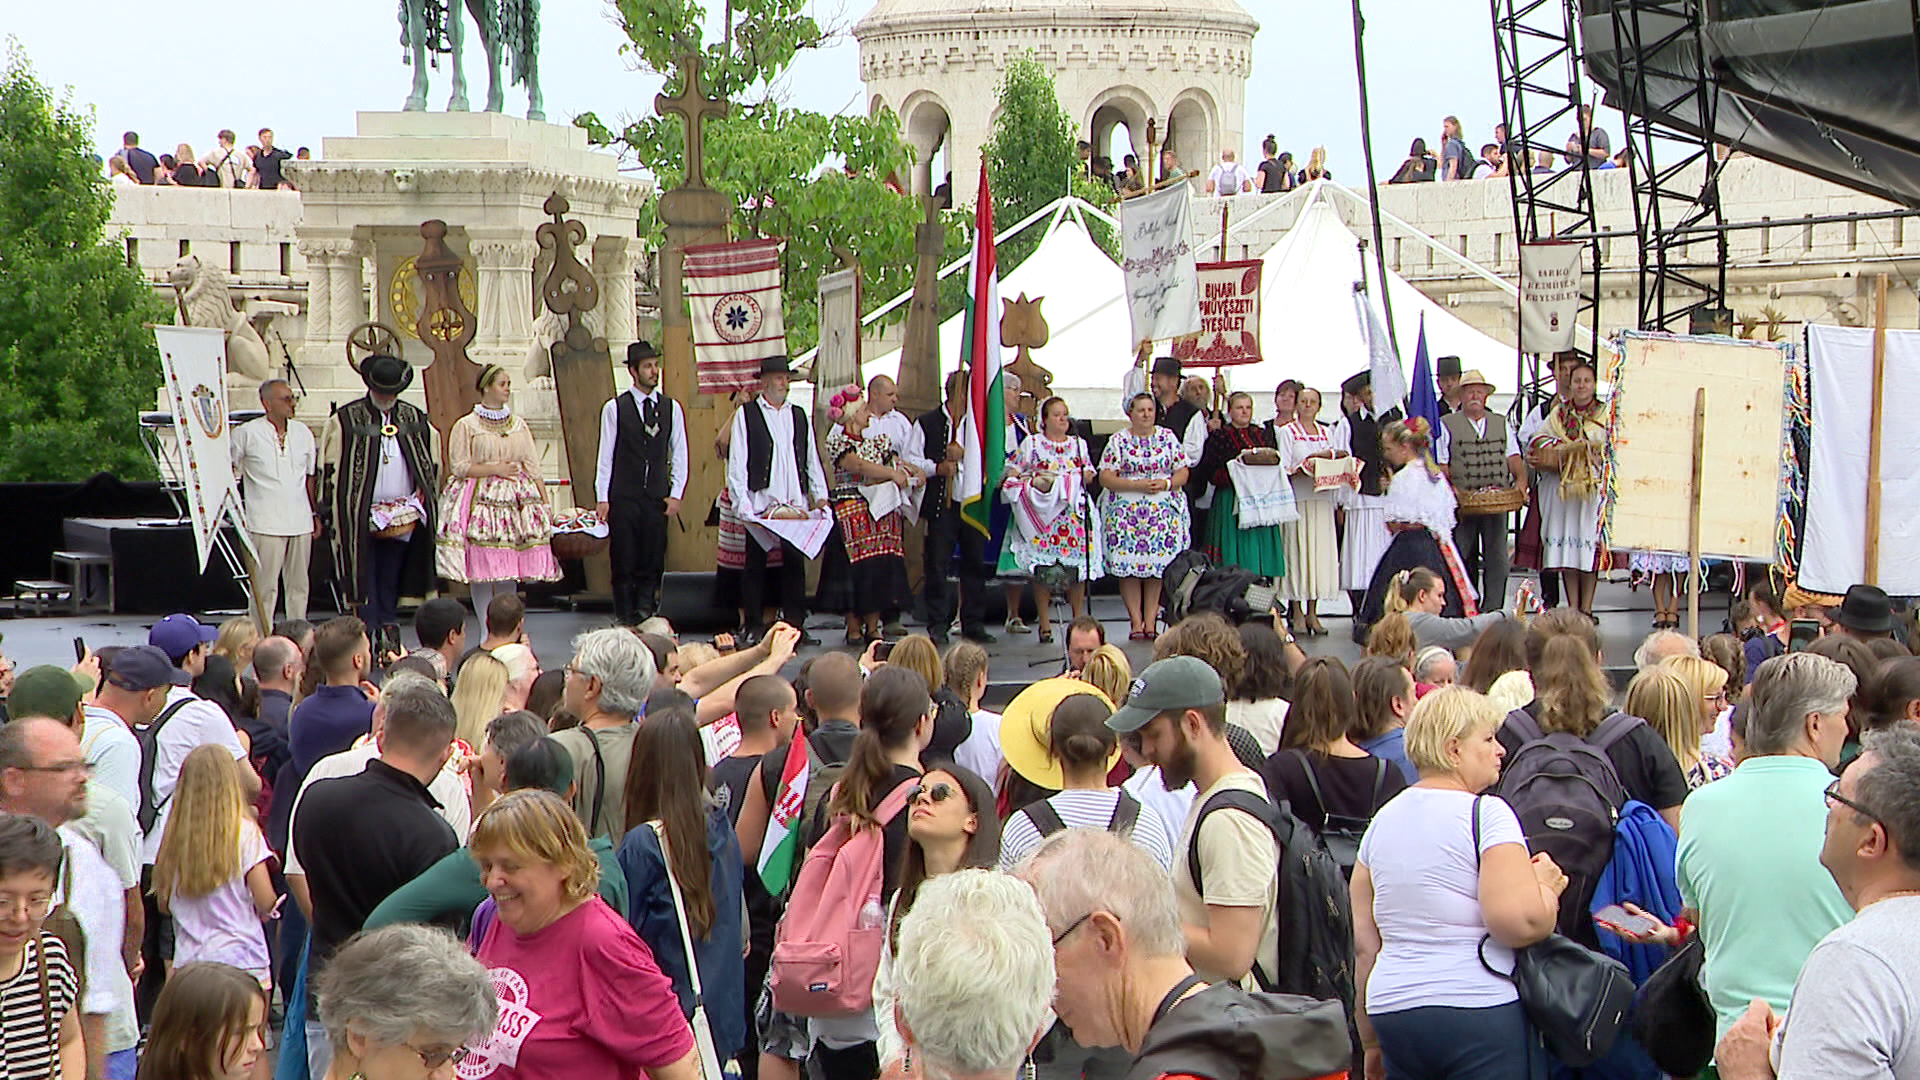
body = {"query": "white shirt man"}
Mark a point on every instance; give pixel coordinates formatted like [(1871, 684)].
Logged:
[(1228, 178), (276, 460), (897, 426)]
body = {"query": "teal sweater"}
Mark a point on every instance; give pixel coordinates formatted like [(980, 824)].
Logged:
[(447, 892)]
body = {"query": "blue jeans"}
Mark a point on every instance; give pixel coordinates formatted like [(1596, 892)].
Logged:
[(1440, 1042), (122, 1064)]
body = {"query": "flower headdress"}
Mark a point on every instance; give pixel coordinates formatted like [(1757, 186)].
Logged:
[(842, 402)]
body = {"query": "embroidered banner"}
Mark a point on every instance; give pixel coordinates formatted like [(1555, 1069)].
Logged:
[(194, 363), (1229, 316), (1156, 245), (1549, 296), (733, 297)]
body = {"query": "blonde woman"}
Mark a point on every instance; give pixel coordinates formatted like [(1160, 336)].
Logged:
[(1706, 684), (238, 637), (1109, 672), (211, 870), (1419, 506), (479, 695)]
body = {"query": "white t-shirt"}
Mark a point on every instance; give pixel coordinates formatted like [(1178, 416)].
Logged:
[(99, 903), (198, 723), (1145, 785), (1227, 178), (447, 789), (1426, 901), (980, 751), (1262, 719), (1086, 810), (274, 475)]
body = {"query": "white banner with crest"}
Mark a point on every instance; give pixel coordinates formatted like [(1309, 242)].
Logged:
[(1549, 296), (1156, 246), (193, 361)]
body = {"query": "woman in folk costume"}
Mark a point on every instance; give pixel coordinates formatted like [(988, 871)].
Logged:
[(379, 478), (730, 554), (1311, 544), (1257, 548), (1569, 450), (1142, 471), (495, 522), (1419, 507), (863, 572), (1528, 553), (1055, 532)]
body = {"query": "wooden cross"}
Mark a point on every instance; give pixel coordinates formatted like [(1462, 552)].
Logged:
[(692, 106)]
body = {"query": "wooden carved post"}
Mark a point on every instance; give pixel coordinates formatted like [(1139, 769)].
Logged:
[(582, 369), (447, 327), (1023, 328), (919, 381)]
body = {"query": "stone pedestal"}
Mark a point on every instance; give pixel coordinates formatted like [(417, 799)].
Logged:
[(486, 175)]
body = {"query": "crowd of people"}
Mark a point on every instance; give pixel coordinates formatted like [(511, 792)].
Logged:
[(228, 165)]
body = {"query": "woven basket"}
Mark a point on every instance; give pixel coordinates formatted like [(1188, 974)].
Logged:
[(1491, 501), (577, 545), (1261, 456)]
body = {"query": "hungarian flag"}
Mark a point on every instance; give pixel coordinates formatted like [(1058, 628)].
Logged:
[(780, 851), (983, 430)]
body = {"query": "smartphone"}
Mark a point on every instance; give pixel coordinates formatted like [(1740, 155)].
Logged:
[(1621, 921), (79, 649), (883, 650), (1801, 633)]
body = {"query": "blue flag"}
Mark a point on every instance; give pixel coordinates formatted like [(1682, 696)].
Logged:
[(1423, 399)]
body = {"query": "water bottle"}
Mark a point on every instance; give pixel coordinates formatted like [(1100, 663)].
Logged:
[(873, 914)]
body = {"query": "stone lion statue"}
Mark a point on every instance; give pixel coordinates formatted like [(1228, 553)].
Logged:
[(548, 329), (204, 300)]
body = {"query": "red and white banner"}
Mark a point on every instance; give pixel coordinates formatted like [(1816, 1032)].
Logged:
[(1229, 316), (733, 297)]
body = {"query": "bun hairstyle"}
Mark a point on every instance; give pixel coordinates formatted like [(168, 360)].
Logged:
[(1271, 145), (842, 403), (1414, 433), (1078, 736)]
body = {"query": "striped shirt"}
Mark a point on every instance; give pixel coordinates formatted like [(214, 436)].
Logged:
[(27, 1050), (1086, 810)]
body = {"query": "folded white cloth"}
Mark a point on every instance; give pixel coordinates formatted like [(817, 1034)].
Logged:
[(1035, 511), (809, 534), (1262, 494)]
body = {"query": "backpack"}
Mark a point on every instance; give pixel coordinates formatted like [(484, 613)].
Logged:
[(149, 739), (1315, 912), (1191, 584), (1126, 813), (1567, 795), (1342, 833), (826, 950)]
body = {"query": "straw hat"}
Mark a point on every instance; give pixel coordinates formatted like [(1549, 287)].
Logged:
[(1027, 723), (1474, 378)]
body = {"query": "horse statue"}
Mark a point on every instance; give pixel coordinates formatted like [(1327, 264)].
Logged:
[(432, 28)]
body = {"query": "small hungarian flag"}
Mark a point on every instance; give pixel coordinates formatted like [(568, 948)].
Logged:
[(733, 296), (780, 851), (983, 430)]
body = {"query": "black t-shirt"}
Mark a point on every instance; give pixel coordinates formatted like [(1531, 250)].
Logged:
[(1272, 176), (728, 779), (142, 163), (1352, 787), (1642, 759), (266, 163), (896, 833)]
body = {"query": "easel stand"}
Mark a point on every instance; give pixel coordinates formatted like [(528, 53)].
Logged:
[(239, 563)]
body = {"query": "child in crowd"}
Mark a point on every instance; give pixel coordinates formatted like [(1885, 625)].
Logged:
[(210, 1023), (211, 871)]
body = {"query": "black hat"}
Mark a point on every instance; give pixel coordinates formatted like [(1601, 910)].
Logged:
[(776, 365), (641, 350), (1166, 365), (385, 374), (1867, 609), (1357, 383), (1447, 365)]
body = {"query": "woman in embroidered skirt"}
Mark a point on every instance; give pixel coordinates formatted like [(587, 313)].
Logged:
[(495, 522), (1259, 548), (1568, 451), (1420, 514), (1311, 545), (1142, 472), (1055, 534), (863, 572)]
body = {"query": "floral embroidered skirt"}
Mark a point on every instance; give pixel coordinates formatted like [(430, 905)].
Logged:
[(863, 569), (1144, 532), (495, 528)]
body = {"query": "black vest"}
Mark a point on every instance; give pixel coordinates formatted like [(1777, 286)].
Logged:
[(1176, 418), (760, 448), (935, 433), (642, 463), (1365, 443)]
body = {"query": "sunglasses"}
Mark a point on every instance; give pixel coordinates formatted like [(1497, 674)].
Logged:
[(937, 793)]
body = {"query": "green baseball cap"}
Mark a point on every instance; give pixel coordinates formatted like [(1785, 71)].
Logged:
[(47, 691), (1178, 682)]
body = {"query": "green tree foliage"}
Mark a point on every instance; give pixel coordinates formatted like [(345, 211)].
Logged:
[(76, 364), (774, 162), (1032, 158)]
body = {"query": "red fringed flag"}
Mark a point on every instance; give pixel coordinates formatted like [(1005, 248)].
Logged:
[(733, 293), (983, 430)]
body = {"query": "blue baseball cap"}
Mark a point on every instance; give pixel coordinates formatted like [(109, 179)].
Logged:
[(178, 635), (143, 667)]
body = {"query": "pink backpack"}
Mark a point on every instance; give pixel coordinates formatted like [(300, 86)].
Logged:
[(827, 948)]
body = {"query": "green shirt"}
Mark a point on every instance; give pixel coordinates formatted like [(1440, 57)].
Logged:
[(449, 890), (1749, 862)]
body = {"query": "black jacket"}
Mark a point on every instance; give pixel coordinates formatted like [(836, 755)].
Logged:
[(1226, 1033)]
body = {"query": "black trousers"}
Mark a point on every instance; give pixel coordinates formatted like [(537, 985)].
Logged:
[(943, 532), (789, 584), (386, 565), (638, 550), (156, 949)]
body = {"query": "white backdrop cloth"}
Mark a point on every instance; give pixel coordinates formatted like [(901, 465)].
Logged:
[(1833, 555)]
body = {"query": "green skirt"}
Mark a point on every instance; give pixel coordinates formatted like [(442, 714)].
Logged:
[(1258, 549)]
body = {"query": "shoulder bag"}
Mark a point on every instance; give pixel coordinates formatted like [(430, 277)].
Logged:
[(711, 1067)]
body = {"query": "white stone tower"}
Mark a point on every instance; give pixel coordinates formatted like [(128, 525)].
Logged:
[(937, 64)]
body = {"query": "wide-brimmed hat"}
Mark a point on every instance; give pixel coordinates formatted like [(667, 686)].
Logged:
[(1027, 723), (1357, 382), (385, 374), (1474, 378), (641, 350), (778, 364), (1867, 609)]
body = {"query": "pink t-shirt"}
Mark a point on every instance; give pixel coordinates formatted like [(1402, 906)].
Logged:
[(580, 998), (223, 926)]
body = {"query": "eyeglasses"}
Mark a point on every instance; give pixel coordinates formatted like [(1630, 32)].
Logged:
[(36, 907), (433, 1059), (938, 793), (1834, 798), (1071, 927), (63, 767)]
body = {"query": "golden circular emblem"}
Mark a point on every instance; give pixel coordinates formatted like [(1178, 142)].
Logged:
[(403, 295)]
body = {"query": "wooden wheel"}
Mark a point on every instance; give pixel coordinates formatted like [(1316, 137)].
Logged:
[(371, 339)]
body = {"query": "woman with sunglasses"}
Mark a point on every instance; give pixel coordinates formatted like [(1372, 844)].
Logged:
[(403, 1003)]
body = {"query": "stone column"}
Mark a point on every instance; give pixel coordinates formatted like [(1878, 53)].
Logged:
[(320, 331), (613, 264), (503, 268), (347, 273)]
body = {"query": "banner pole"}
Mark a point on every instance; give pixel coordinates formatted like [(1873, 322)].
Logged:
[(1872, 573), (1694, 492)]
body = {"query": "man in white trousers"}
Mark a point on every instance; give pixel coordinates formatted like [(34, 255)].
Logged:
[(275, 458)]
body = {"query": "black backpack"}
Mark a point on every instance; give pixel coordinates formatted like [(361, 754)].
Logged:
[(1126, 813), (149, 739), (1192, 584), (1315, 912), (1567, 795), (1342, 833)]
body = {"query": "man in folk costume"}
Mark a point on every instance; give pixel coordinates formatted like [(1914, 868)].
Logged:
[(1446, 377), (773, 470), (379, 477), (1188, 422), (1366, 536), (641, 476), (1528, 550), (1477, 449), (932, 447)]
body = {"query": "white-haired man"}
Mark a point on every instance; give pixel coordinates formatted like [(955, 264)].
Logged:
[(277, 462), (1123, 979), (607, 683), (1662, 645)]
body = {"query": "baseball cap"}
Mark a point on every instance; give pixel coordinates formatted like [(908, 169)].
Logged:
[(1178, 682), (143, 667), (47, 691), (176, 635)]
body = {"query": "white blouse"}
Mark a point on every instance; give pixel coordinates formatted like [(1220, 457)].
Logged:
[(1421, 497), (1297, 445)]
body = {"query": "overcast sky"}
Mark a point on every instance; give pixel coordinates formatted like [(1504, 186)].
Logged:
[(180, 72)]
